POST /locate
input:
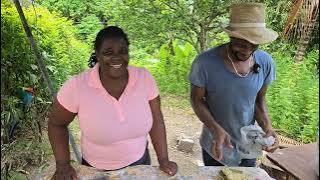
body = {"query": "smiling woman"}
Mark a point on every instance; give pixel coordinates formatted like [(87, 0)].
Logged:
[(117, 106)]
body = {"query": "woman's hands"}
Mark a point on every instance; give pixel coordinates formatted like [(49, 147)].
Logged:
[(64, 171), (159, 139), (168, 167)]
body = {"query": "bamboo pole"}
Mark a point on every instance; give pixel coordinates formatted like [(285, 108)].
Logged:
[(43, 70)]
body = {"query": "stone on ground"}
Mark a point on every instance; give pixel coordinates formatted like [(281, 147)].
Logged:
[(185, 144)]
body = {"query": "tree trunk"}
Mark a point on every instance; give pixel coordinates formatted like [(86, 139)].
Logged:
[(202, 39), (170, 46), (171, 51), (35, 49), (43, 69), (304, 41)]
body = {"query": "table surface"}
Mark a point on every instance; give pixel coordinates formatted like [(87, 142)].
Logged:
[(146, 172), (299, 161)]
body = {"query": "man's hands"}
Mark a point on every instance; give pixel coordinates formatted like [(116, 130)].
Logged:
[(271, 132), (168, 167), (221, 137), (64, 171)]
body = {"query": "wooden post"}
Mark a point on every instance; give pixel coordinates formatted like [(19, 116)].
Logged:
[(43, 69)]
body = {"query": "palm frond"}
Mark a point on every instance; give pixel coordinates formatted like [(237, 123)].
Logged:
[(301, 19), (292, 16)]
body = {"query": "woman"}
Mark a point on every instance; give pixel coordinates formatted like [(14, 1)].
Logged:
[(117, 106)]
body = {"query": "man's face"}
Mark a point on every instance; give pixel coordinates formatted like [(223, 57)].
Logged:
[(241, 49)]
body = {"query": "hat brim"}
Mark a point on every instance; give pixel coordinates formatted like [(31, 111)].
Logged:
[(253, 35)]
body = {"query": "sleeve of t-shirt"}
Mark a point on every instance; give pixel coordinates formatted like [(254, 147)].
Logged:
[(152, 89), (270, 74), (197, 75), (67, 95)]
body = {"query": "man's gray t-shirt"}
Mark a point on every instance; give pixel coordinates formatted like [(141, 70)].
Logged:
[(230, 98)]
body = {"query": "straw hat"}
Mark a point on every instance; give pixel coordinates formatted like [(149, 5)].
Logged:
[(247, 21)]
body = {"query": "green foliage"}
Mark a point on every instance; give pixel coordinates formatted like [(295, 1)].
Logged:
[(63, 55), (312, 60), (23, 151), (88, 16), (171, 69), (293, 99), (149, 23), (88, 28), (14, 47), (219, 39), (9, 114)]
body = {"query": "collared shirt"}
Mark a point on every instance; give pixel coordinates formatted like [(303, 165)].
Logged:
[(113, 132), (230, 98)]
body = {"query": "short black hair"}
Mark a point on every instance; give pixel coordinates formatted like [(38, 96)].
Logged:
[(105, 33)]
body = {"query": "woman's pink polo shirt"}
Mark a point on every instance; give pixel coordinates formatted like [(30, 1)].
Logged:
[(113, 132)]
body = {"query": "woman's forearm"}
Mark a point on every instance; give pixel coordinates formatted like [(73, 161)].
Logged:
[(158, 131), (59, 140), (159, 140)]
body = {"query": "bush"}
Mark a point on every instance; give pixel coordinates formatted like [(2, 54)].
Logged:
[(172, 70), (293, 99), (63, 55)]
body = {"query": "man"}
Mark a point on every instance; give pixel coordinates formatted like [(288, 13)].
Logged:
[(229, 84)]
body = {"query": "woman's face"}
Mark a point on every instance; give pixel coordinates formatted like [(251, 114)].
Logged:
[(242, 49), (113, 57)]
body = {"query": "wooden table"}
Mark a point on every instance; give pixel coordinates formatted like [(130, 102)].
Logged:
[(298, 161)]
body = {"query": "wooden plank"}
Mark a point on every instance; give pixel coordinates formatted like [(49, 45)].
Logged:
[(273, 170), (299, 161)]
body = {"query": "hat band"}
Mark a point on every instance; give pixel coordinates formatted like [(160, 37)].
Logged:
[(240, 25)]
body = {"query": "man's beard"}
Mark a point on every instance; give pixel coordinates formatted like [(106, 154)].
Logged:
[(234, 54)]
